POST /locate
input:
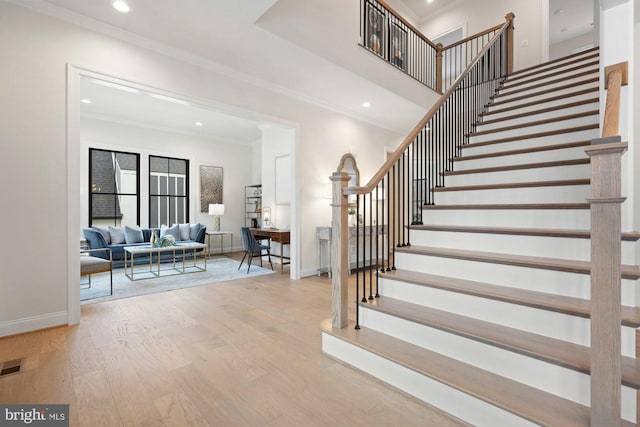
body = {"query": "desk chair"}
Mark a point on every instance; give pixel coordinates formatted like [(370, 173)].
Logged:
[(253, 248)]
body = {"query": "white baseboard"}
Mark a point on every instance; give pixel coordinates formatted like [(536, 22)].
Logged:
[(308, 272), (29, 324)]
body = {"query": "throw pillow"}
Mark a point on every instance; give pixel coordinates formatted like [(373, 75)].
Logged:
[(163, 230), (117, 235), (193, 233), (133, 235), (173, 231), (104, 231), (185, 231)]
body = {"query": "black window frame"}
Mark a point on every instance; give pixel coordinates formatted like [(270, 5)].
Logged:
[(114, 193), (186, 196)]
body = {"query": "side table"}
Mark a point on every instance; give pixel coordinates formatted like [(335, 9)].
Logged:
[(221, 234)]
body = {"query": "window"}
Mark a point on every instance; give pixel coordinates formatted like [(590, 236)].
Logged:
[(168, 191), (114, 193)]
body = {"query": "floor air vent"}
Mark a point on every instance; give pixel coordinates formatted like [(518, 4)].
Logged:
[(10, 367)]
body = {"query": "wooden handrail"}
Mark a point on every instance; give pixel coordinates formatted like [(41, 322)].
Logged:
[(407, 23), (386, 167), (475, 36), (615, 76)]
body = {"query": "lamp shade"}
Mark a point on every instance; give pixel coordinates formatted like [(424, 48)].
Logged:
[(216, 209)]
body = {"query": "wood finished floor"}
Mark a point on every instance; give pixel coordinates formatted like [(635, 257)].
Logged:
[(239, 353)]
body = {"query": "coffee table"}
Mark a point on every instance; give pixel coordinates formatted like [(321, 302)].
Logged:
[(188, 262)]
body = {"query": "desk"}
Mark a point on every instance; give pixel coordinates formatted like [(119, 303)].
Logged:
[(221, 234), (278, 236)]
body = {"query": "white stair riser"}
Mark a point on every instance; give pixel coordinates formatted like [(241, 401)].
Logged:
[(578, 219), (520, 159), (551, 378), (552, 247), (536, 117), (540, 97), (556, 66), (520, 175), (506, 95), (541, 141), (550, 75), (528, 130), (512, 108), (453, 401), (536, 279), (508, 91), (554, 194), (552, 324)]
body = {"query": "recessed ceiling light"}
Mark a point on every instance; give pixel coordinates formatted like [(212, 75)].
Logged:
[(429, 1), (85, 101), (366, 104), (168, 98), (121, 6), (198, 123)]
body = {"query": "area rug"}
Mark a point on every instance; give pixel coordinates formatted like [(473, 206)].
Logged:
[(218, 270)]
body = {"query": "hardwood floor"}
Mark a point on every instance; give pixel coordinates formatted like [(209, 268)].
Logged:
[(238, 353)]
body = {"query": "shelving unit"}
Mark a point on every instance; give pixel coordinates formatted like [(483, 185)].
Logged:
[(253, 205)]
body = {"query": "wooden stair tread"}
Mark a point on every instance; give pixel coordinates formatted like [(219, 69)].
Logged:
[(536, 123), (510, 206), (556, 264), (562, 353), (540, 76), (546, 91), (535, 405), (540, 111), (503, 186), (632, 236), (543, 84), (526, 151), (556, 63), (556, 163), (630, 316), (532, 103), (531, 136)]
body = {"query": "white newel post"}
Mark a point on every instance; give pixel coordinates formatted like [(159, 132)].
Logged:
[(606, 224), (339, 251)]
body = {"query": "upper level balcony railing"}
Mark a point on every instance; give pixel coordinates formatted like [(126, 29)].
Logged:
[(388, 35)]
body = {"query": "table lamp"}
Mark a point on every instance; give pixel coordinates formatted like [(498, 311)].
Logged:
[(215, 210)]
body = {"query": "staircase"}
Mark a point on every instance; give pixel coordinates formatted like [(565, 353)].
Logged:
[(487, 314)]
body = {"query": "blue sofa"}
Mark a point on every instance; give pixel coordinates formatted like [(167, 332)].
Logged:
[(96, 240)]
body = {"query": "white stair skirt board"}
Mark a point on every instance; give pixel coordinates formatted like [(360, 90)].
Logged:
[(535, 279), (520, 175), (543, 194), (552, 324), (536, 117), (462, 405), (549, 377), (511, 108), (573, 153), (579, 219), (516, 244)]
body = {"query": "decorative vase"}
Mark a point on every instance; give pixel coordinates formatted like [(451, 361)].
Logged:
[(154, 239)]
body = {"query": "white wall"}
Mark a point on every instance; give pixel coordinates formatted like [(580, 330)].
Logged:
[(42, 180), (564, 48), (480, 15), (95, 133)]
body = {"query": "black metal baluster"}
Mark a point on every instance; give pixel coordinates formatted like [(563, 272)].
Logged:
[(349, 266), (389, 223), (371, 246)]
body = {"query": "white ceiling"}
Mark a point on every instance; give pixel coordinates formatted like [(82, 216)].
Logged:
[(141, 109), (224, 32)]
